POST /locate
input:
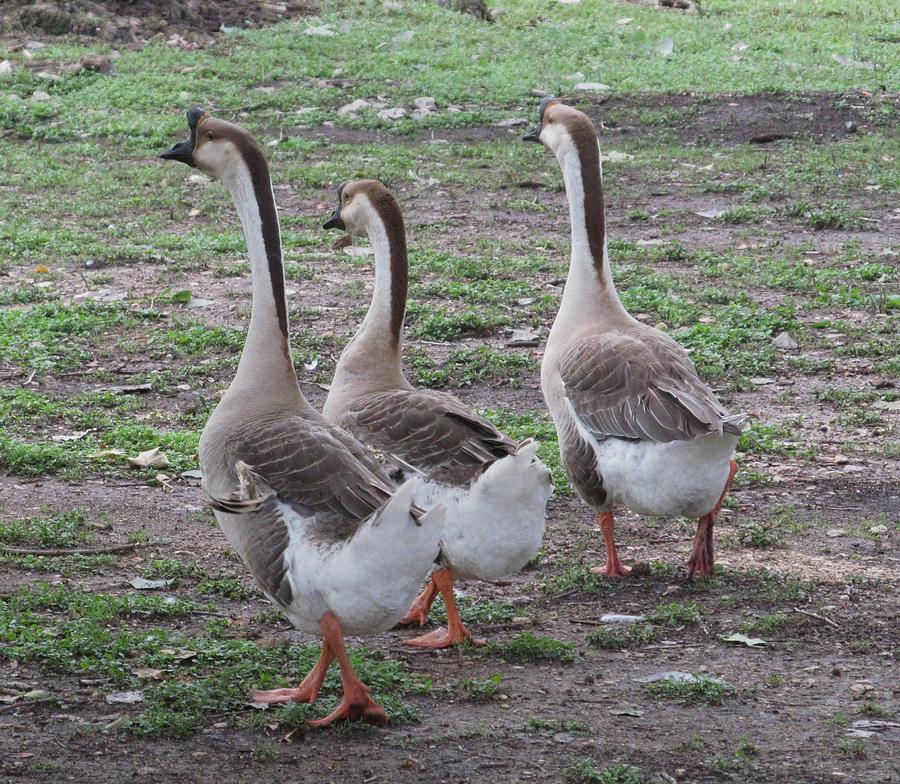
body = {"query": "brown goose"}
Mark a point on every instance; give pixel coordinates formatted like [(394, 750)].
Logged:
[(321, 527), (495, 492), (637, 427)]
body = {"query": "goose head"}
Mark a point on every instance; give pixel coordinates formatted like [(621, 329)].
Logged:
[(362, 205), (561, 128), (216, 147)]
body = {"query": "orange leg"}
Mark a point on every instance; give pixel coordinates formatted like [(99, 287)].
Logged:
[(418, 612), (613, 566), (356, 702), (308, 689), (701, 560), (456, 631)]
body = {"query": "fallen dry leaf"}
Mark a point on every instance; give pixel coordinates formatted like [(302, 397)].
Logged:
[(152, 458)]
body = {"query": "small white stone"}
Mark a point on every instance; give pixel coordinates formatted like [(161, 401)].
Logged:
[(593, 87), (784, 341), (322, 31), (425, 103), (393, 113), (40, 96), (354, 106)]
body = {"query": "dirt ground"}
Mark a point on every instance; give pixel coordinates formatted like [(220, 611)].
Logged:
[(135, 21), (795, 699)]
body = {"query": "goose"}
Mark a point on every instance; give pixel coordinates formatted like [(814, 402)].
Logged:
[(494, 491), (637, 426), (328, 538)]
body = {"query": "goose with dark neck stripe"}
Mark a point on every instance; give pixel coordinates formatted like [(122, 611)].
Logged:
[(495, 491), (637, 427), (328, 537)]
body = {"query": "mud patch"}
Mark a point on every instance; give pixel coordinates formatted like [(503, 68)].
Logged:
[(139, 20), (731, 119)]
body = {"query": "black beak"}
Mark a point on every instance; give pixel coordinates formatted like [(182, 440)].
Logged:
[(534, 135), (335, 221), (183, 152)]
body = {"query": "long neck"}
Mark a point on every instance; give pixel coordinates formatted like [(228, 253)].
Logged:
[(265, 371), (590, 290), (372, 360)]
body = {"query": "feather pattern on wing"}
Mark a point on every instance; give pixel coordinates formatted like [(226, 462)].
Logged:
[(306, 462), (432, 431), (639, 384)]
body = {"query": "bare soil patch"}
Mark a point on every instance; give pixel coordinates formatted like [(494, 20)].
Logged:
[(133, 21), (760, 118)]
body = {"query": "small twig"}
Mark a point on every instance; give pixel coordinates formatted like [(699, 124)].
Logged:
[(113, 548), (817, 617), (587, 623)]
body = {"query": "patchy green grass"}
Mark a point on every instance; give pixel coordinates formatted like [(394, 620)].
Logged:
[(228, 587), (676, 614), (573, 726), (768, 623), (481, 689), (439, 324), (474, 610), (583, 771), (64, 565), (852, 748), (477, 66), (700, 691), (617, 637), (202, 676), (528, 647), (50, 529), (577, 578)]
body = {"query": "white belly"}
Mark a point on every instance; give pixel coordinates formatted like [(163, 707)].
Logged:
[(680, 478), (494, 527), (369, 580)]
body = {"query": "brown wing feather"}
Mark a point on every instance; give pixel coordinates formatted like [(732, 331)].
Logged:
[(639, 385), (312, 465), (431, 431), (305, 462)]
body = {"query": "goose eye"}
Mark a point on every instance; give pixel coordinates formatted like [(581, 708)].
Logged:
[(210, 135)]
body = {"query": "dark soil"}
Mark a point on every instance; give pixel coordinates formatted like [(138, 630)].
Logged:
[(132, 21), (756, 119)]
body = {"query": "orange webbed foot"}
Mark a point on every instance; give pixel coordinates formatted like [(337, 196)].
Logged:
[(282, 696), (356, 705), (444, 638), (421, 606), (614, 569), (613, 566)]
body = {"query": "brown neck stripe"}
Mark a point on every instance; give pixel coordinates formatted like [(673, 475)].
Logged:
[(265, 199), (585, 139), (389, 211)]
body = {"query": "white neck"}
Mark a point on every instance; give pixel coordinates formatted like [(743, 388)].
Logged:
[(372, 360), (265, 368), (375, 331), (589, 291)]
